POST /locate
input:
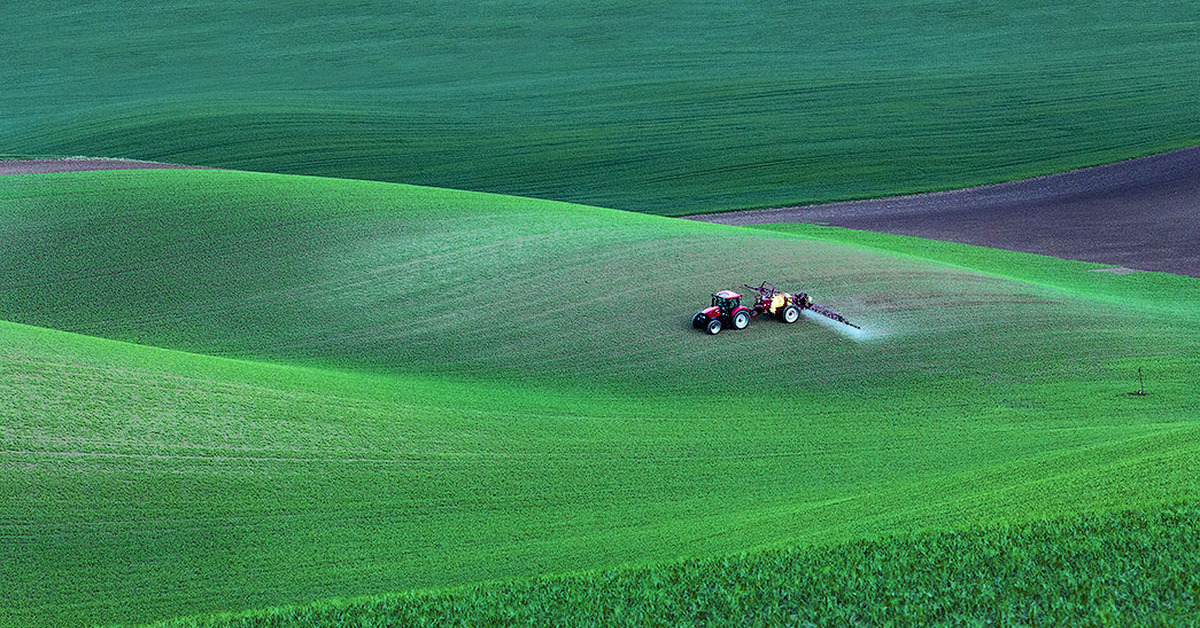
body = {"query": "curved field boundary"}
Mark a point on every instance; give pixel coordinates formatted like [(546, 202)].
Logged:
[(1142, 214), (40, 166)]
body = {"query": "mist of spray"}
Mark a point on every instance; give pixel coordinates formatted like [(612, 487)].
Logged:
[(866, 334)]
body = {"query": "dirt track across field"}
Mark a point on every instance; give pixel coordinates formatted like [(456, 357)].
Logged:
[(1141, 214), (37, 166)]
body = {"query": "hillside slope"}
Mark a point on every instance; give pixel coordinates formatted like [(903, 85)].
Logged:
[(663, 107), (347, 388), (1128, 568)]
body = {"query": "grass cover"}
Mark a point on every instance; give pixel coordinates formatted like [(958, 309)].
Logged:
[(1129, 568), (662, 107), (222, 391)]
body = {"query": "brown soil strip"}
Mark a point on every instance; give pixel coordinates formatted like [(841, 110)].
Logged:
[(1140, 214), (39, 166)]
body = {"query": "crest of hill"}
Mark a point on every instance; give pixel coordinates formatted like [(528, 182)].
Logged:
[(393, 278)]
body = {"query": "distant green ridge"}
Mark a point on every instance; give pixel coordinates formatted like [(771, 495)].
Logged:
[(661, 107)]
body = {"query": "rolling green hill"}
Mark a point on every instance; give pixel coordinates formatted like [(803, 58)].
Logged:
[(226, 390), (1115, 569), (661, 107)]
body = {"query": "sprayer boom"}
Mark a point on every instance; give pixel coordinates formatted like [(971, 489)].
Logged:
[(787, 306), (828, 313)]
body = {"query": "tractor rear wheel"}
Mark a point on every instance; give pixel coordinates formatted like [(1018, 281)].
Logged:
[(741, 320), (714, 326), (790, 314)]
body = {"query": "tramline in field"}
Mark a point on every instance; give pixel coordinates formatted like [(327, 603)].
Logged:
[(727, 308)]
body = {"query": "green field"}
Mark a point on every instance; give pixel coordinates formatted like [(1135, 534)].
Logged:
[(226, 391), (1126, 568), (662, 107)]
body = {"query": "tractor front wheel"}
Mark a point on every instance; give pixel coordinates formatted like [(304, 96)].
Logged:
[(698, 320), (741, 320), (790, 314), (714, 326)]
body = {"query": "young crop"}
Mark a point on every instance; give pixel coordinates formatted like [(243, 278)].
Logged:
[(236, 391), (1125, 568)]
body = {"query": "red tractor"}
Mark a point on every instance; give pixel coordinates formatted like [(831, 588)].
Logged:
[(727, 308)]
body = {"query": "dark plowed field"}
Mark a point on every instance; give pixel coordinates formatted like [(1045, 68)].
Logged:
[(1142, 214), (35, 166)]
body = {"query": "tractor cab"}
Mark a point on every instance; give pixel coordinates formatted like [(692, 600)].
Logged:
[(727, 301), (726, 309)]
